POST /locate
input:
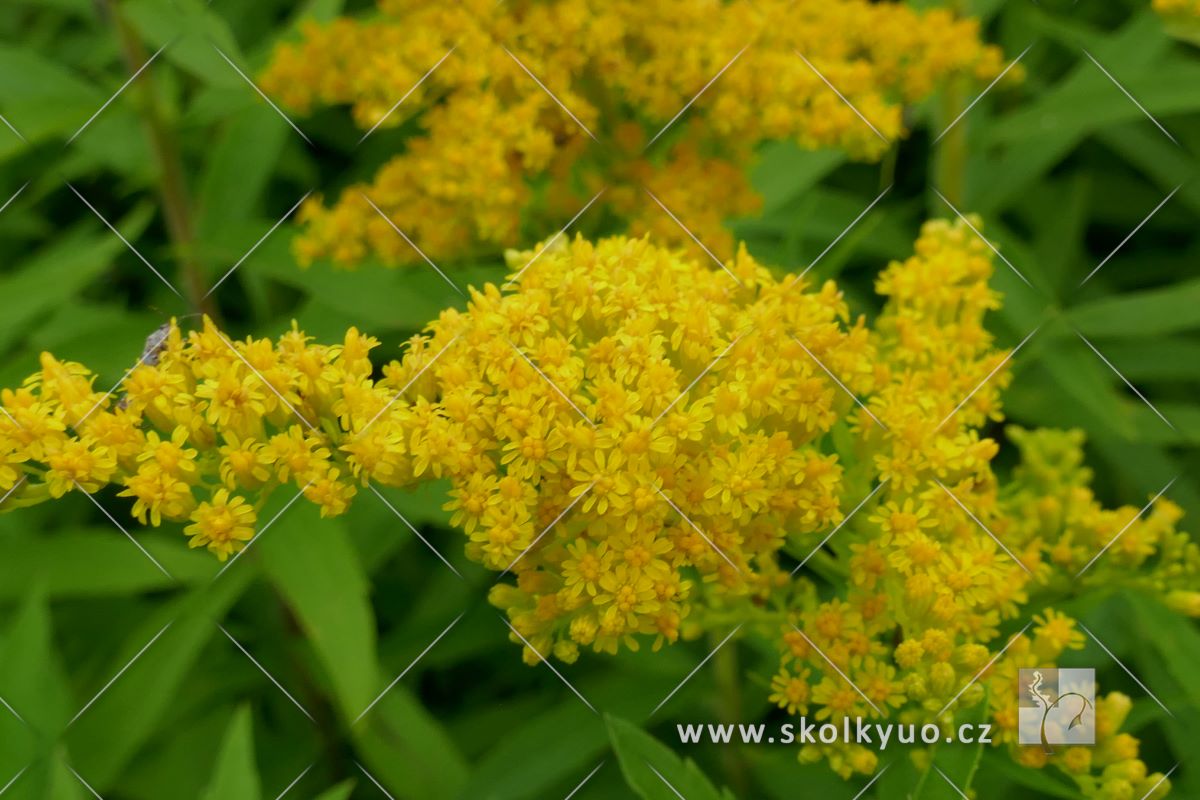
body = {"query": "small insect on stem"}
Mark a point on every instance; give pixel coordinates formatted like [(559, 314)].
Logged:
[(156, 342)]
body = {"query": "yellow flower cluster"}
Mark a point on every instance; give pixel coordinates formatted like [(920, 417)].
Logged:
[(1109, 770), (203, 423), (647, 445), (492, 150), (1177, 8), (942, 556)]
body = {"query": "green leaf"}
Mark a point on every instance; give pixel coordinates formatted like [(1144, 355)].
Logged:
[(107, 337), (33, 686), (313, 565), (192, 29), (1175, 639), (1144, 314), (405, 748), (957, 760), (1087, 100), (125, 715), (239, 166), (649, 766), (235, 776), (41, 98), (55, 273), (1166, 359), (378, 297), (549, 747), (785, 171), (999, 768), (340, 792), (93, 562)]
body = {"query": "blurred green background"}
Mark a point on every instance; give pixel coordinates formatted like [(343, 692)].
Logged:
[(193, 169)]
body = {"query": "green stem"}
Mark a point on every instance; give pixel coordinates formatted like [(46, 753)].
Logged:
[(950, 160), (728, 679), (172, 185)]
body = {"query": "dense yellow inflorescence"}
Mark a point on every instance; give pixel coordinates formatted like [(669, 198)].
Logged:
[(647, 446), (491, 149)]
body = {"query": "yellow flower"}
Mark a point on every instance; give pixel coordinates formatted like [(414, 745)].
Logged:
[(661, 467), (78, 463), (488, 133), (222, 524), (790, 691)]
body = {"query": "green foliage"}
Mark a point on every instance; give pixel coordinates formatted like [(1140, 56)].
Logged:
[(653, 770), (117, 673)]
